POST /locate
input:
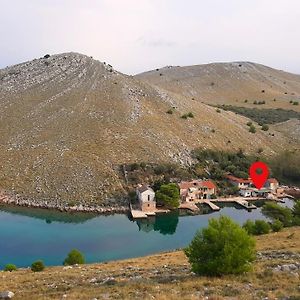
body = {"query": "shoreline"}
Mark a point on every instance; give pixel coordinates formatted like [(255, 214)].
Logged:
[(6, 199)]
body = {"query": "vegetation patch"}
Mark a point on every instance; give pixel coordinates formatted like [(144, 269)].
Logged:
[(221, 248), (74, 257), (37, 266), (263, 116), (168, 195)]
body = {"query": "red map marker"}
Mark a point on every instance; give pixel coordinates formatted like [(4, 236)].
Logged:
[(259, 178)]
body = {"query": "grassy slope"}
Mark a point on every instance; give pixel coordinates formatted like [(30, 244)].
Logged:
[(162, 276), (229, 83)]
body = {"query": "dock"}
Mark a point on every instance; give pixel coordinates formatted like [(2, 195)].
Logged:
[(245, 204), (211, 205), (138, 214), (190, 206)]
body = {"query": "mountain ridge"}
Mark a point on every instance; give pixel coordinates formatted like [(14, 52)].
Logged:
[(68, 122)]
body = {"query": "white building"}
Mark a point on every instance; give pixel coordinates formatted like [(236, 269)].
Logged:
[(146, 198)]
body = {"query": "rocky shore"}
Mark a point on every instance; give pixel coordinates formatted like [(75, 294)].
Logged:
[(20, 201)]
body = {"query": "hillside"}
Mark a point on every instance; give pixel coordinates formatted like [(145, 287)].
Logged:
[(68, 122), (229, 83), (275, 275)]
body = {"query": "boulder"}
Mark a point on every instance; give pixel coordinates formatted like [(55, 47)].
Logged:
[(6, 295)]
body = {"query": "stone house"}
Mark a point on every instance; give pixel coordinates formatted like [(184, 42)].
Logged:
[(239, 182), (272, 184), (146, 198), (196, 189)]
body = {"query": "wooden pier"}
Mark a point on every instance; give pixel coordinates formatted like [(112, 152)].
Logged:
[(213, 206), (190, 206), (139, 214), (245, 204)]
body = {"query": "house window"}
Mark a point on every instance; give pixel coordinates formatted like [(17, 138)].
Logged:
[(148, 204), (148, 198)]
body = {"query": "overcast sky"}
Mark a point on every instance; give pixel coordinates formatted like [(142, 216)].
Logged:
[(138, 35)]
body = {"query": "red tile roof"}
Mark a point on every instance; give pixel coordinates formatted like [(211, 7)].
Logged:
[(209, 184), (196, 183), (237, 179)]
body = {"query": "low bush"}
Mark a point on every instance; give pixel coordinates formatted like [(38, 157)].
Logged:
[(252, 129), (37, 266), (276, 226), (185, 116), (10, 268), (265, 127), (261, 227), (257, 228), (296, 213), (74, 257), (249, 226)]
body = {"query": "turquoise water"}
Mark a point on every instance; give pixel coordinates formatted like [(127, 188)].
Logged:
[(27, 235)]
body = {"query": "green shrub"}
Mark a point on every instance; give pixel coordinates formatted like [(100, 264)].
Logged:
[(252, 129), (168, 195), (218, 110), (277, 212), (261, 227), (10, 268), (257, 228), (296, 213), (185, 116), (249, 123), (74, 257), (190, 115), (265, 127), (276, 226), (170, 111), (249, 226), (37, 266), (221, 248), (295, 103)]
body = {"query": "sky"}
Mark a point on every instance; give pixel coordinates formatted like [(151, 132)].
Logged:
[(139, 35)]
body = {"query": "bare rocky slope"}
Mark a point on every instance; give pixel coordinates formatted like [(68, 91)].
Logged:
[(229, 83), (67, 123)]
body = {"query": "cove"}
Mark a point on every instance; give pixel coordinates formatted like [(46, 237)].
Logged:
[(30, 234)]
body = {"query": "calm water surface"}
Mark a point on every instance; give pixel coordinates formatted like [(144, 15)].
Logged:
[(27, 235)]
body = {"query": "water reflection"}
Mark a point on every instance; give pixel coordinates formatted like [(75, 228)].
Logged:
[(164, 224), (49, 215)]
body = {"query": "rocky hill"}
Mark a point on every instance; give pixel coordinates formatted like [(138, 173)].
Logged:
[(236, 83), (68, 122)]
